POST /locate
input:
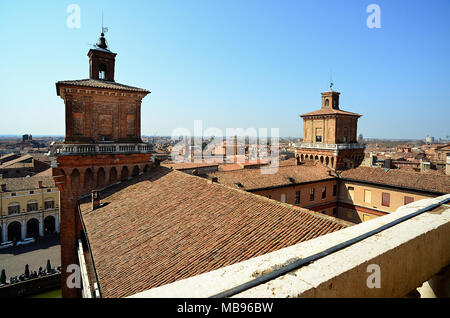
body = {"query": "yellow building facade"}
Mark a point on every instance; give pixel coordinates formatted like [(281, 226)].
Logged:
[(29, 207)]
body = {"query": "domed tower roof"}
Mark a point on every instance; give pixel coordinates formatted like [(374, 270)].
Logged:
[(102, 42)]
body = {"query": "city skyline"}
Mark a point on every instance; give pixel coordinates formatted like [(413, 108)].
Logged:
[(241, 65)]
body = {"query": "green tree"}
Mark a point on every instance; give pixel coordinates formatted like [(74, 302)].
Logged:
[(49, 266)]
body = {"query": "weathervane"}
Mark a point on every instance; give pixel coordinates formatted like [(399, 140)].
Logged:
[(331, 80), (104, 30)]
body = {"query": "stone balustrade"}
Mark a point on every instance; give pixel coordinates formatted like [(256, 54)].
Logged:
[(61, 149), (330, 146)]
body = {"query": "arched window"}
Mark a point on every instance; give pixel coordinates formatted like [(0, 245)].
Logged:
[(13, 208), (327, 102)]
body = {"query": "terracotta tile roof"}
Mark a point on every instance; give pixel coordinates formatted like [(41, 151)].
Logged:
[(44, 173), (28, 183), (288, 162), (101, 84), (189, 165), (230, 167), (252, 179), (330, 111), (400, 178), (168, 225)]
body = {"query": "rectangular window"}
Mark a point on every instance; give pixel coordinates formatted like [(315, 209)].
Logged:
[(318, 138), (335, 212), (283, 198), (31, 192), (351, 192), (49, 205), (385, 199), (32, 207), (311, 195), (409, 200), (367, 196), (324, 192), (297, 197), (334, 190), (13, 209)]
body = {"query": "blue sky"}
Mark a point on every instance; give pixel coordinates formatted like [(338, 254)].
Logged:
[(235, 63)]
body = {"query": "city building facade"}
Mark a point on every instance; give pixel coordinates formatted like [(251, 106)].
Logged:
[(29, 207)]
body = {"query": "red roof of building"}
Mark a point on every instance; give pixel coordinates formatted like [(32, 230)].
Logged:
[(168, 225), (400, 178), (330, 111)]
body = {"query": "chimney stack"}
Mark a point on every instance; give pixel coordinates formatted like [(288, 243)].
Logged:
[(95, 196)]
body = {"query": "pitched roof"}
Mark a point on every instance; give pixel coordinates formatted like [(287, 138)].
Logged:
[(252, 179), (27, 183), (101, 84), (330, 111), (400, 178), (15, 161), (189, 165), (168, 225)]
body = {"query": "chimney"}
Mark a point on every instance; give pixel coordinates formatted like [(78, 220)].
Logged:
[(95, 196), (3, 187), (40, 184)]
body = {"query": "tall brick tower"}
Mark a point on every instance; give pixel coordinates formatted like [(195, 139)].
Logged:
[(102, 145), (330, 135)]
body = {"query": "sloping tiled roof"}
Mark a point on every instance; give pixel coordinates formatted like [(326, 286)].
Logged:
[(400, 178), (168, 225), (14, 161), (189, 165), (101, 84), (330, 111), (252, 179), (28, 183)]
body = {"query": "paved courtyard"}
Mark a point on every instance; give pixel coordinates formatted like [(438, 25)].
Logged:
[(14, 259)]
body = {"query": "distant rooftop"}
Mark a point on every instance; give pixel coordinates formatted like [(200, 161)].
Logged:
[(27, 183), (253, 179), (400, 178)]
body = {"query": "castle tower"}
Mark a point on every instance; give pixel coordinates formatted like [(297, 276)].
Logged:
[(330, 135), (102, 144)]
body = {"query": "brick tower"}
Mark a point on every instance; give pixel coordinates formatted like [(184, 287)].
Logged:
[(330, 135), (102, 145)]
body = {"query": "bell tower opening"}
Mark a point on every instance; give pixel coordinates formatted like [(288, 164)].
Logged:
[(330, 100)]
